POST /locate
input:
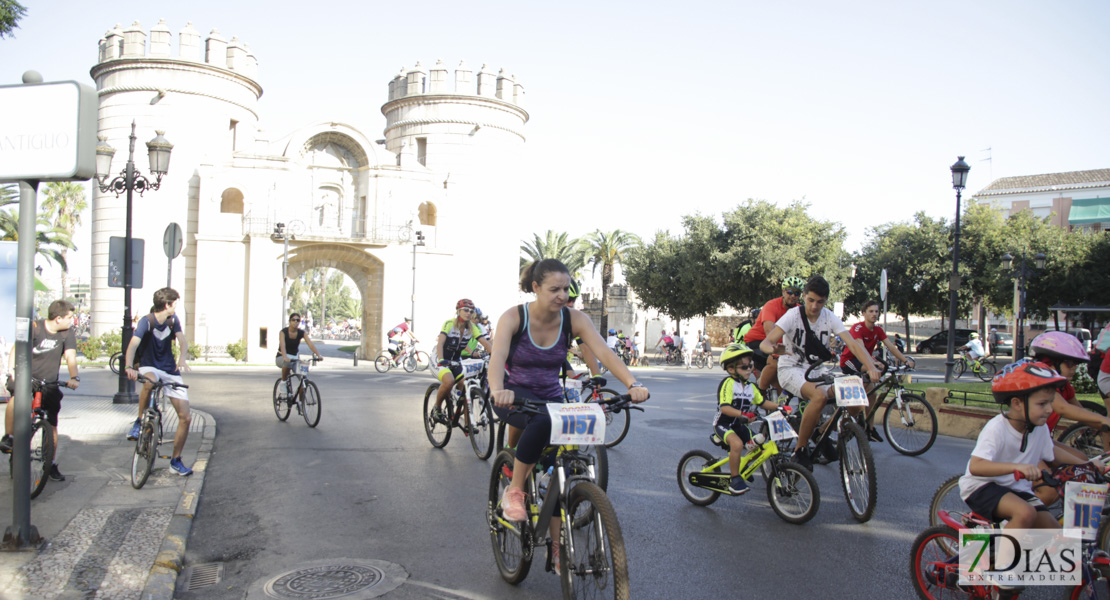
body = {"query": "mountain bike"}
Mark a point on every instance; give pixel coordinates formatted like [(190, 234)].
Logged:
[(934, 557), (592, 561), (617, 420), (468, 408), (984, 368), (298, 391), (909, 422), (42, 438), (408, 357), (150, 432), (791, 489), (1086, 438)]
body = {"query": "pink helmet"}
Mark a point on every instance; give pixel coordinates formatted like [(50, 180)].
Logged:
[(1058, 346)]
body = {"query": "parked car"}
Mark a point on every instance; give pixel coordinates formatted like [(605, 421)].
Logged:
[(938, 343), (1004, 346)]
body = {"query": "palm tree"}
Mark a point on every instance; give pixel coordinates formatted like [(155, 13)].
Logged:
[(65, 201), (48, 239), (9, 194), (606, 250), (569, 251)]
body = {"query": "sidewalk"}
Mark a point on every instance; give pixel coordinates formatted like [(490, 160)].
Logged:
[(103, 538)]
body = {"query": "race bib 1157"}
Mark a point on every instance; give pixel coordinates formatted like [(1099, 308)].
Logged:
[(579, 423)]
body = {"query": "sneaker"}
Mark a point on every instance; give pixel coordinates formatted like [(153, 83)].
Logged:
[(438, 416), (802, 458), (555, 558), (177, 467), (512, 505), (6, 444), (134, 433), (55, 474), (873, 435), (737, 486)]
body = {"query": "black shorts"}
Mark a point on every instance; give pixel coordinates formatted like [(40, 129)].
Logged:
[(739, 429), (51, 401), (759, 357), (985, 499), (854, 367)]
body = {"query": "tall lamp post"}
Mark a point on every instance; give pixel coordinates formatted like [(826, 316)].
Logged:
[(279, 234), (416, 241), (1022, 273), (130, 180), (959, 181)]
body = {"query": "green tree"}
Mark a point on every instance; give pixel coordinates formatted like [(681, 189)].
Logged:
[(63, 202), (50, 241), (668, 274), (606, 250), (570, 251), (305, 297), (9, 194), (10, 14)]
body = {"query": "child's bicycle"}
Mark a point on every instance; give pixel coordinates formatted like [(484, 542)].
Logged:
[(791, 489), (42, 438), (934, 557), (591, 559), (984, 368)]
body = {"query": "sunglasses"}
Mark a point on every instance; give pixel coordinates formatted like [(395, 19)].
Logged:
[(793, 292), (467, 310), (747, 367), (294, 320)]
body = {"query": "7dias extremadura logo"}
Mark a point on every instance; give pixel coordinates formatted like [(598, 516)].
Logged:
[(1020, 557)]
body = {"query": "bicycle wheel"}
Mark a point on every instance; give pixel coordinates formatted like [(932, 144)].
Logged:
[(914, 427), (1083, 438), (931, 563), (281, 407), (793, 493), (592, 559), (987, 369), (500, 443), (481, 423), (947, 498), (142, 461), (42, 454), (616, 423), (422, 360), (696, 461), (511, 540), (958, 368), (115, 363), (438, 430), (857, 472), (310, 403), (383, 362)]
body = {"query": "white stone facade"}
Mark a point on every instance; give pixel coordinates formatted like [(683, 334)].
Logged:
[(351, 203)]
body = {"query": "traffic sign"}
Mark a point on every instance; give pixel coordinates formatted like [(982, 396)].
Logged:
[(172, 241)]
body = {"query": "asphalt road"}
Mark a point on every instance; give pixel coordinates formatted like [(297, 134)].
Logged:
[(366, 484)]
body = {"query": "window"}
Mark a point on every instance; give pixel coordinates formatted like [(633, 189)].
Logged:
[(422, 151), (231, 201), (233, 129), (427, 214)]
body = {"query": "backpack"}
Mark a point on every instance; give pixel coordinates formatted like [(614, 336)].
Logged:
[(145, 342), (815, 351), (1103, 342), (520, 331)]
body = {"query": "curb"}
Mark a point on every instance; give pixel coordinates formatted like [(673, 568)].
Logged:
[(161, 583)]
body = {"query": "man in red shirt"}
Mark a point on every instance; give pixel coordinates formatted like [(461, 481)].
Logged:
[(869, 333), (771, 312)]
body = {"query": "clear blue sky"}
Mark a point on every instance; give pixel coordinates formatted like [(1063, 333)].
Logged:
[(647, 111)]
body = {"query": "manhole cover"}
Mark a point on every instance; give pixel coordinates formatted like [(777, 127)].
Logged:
[(335, 579)]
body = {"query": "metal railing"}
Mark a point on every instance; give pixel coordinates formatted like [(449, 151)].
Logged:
[(373, 231), (963, 397)]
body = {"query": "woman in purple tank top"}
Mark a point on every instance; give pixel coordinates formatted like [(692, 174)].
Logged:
[(538, 357)]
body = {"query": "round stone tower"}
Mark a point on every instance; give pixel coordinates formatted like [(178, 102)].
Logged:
[(204, 97)]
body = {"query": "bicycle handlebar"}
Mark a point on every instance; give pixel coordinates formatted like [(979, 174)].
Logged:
[(161, 384), (617, 403)]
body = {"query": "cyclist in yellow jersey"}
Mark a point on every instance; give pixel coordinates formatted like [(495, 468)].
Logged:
[(453, 339)]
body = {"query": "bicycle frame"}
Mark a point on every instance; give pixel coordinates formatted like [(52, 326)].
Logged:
[(749, 463)]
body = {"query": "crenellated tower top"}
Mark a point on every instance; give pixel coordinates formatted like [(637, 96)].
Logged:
[(437, 81), (131, 43)]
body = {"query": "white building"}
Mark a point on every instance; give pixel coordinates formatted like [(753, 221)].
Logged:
[(450, 144), (1074, 200)]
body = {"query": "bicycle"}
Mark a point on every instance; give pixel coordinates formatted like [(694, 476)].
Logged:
[(1085, 438), (791, 489), (592, 559), (408, 357), (617, 421), (853, 450), (469, 405), (934, 558), (42, 438), (985, 367), (146, 445), (909, 422), (299, 391)]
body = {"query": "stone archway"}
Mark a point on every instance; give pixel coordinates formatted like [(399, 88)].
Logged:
[(365, 269)]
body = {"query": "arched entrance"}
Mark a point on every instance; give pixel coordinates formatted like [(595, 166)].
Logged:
[(363, 268)]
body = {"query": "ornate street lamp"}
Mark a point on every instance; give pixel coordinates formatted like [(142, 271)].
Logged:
[(959, 182), (130, 180)]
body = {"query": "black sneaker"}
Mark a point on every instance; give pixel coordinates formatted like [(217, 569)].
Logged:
[(55, 474), (737, 486), (6, 444), (873, 435), (802, 458)]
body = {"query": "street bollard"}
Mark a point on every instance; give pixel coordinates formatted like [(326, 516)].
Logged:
[(355, 354)]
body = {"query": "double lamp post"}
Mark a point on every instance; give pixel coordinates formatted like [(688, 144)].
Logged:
[(130, 180)]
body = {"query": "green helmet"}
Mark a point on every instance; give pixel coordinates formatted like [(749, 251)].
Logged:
[(573, 290), (732, 353), (793, 282)]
